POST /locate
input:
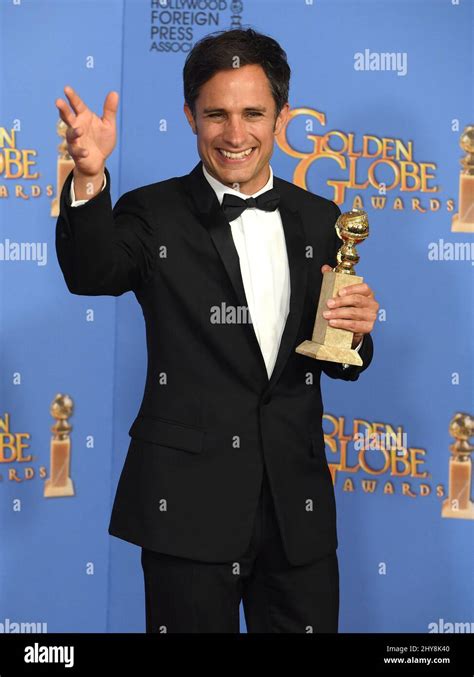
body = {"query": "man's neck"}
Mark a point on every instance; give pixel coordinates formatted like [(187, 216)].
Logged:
[(243, 188)]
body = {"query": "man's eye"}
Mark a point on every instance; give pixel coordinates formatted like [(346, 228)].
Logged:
[(253, 113)]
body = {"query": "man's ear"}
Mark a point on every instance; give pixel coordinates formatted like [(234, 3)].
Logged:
[(282, 118), (190, 117)]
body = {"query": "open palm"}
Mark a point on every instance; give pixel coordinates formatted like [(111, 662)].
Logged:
[(90, 138)]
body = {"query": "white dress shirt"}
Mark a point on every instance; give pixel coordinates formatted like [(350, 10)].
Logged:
[(72, 194), (259, 239)]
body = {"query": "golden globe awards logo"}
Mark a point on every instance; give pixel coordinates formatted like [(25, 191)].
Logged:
[(360, 163), (16, 460), (374, 457), (18, 168)]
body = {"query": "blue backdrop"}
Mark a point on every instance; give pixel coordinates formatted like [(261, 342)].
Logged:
[(358, 116)]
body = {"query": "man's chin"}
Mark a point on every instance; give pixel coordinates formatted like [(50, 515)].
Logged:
[(232, 174)]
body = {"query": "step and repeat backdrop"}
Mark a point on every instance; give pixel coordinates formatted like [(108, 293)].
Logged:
[(382, 114)]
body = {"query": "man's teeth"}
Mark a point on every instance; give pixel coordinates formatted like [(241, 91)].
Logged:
[(236, 156)]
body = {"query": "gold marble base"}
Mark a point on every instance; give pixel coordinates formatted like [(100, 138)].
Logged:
[(464, 513), (463, 221), (331, 343), (51, 490), (330, 353), (458, 225)]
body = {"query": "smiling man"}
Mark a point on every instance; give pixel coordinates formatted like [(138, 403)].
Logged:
[(225, 486), (236, 118)]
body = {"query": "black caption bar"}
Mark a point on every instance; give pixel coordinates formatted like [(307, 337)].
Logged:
[(146, 654)]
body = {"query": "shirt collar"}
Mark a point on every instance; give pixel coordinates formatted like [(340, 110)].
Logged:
[(221, 188)]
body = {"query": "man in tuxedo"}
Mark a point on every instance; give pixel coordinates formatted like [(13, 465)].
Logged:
[(225, 485)]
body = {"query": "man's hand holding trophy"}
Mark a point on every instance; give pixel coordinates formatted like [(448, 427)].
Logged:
[(347, 307)]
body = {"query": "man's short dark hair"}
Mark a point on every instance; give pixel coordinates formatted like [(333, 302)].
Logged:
[(224, 50)]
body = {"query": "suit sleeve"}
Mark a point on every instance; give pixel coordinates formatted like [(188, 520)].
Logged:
[(105, 251), (334, 369)]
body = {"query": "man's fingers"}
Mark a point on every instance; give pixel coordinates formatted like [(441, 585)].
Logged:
[(65, 113), (326, 268), (350, 313), (362, 288), (77, 152), (73, 133), (77, 104), (80, 152), (358, 300), (356, 326), (110, 107)]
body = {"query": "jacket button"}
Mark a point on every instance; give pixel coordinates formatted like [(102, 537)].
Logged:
[(266, 399)]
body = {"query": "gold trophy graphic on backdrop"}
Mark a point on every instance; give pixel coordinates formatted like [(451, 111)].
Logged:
[(60, 483), (459, 504), (333, 343), (65, 164), (463, 221)]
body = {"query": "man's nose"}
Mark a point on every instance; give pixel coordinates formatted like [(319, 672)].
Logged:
[(234, 132)]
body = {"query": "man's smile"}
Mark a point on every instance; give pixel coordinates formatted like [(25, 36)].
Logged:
[(232, 156)]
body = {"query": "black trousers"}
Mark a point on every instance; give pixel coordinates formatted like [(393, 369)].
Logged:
[(184, 595)]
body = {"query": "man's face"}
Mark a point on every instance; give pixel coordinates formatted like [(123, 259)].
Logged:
[(235, 126)]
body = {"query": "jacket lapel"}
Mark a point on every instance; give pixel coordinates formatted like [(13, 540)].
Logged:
[(212, 218), (298, 265)]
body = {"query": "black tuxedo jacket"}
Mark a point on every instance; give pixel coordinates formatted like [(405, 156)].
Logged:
[(210, 417)]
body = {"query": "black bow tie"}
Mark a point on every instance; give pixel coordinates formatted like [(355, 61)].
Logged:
[(233, 205)]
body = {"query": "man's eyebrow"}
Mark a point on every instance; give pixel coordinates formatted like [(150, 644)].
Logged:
[(261, 109)]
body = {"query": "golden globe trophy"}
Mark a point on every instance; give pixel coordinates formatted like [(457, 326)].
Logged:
[(65, 164), (60, 483), (463, 221), (459, 503), (333, 343)]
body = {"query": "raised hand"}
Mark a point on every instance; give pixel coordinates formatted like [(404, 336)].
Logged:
[(90, 138)]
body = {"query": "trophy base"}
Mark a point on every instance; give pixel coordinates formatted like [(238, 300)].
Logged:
[(460, 226), (319, 351), (464, 513), (331, 343), (52, 491), (54, 207)]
